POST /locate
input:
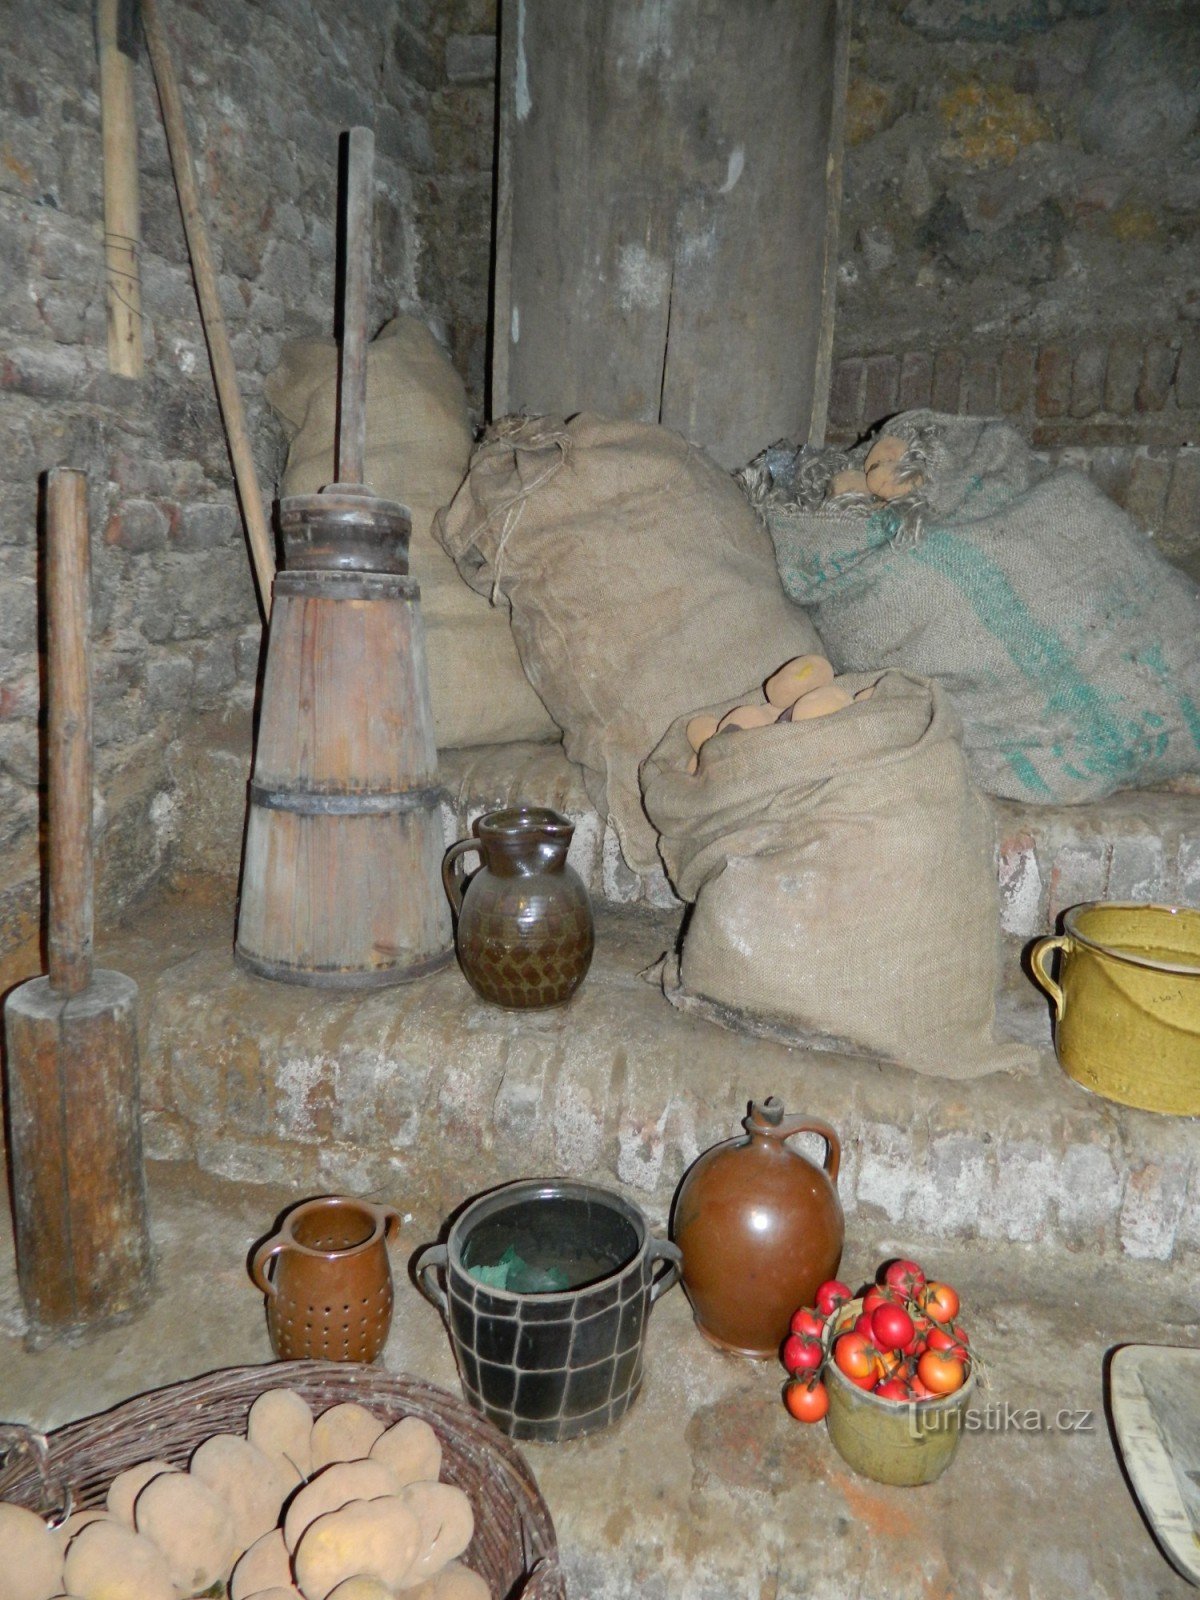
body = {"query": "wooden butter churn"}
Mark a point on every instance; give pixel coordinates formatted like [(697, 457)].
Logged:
[(341, 882)]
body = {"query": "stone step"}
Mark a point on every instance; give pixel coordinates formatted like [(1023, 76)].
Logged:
[(423, 1084), (1131, 846)]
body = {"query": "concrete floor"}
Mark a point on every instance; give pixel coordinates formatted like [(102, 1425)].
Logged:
[(707, 1488)]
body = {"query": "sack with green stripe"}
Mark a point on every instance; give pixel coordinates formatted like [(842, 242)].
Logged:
[(1069, 646)]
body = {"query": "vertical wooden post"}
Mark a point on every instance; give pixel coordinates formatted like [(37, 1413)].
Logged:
[(69, 731), (352, 398), (122, 220)]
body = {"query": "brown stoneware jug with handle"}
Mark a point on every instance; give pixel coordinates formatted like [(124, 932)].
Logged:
[(525, 933), (761, 1228), (330, 1295)]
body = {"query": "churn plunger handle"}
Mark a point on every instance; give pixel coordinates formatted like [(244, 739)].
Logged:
[(352, 396)]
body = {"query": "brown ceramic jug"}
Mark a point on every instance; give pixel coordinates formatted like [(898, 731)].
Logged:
[(525, 932), (761, 1228), (330, 1295)]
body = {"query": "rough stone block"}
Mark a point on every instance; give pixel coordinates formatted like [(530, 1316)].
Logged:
[(1122, 374), (471, 58), (1181, 509), (1137, 868), (916, 380), (207, 526), (1054, 367), (1158, 368), (1187, 374), (138, 526), (1022, 898), (1078, 871)]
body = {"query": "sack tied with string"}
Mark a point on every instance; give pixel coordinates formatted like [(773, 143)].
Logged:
[(840, 872), (641, 584), (1069, 645)]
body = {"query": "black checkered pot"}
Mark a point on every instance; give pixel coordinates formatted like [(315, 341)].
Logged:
[(555, 1361)]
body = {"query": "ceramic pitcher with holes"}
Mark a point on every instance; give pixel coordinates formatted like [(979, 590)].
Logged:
[(329, 1294)]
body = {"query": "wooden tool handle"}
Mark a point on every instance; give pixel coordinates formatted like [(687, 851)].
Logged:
[(122, 223), (352, 408), (224, 371), (69, 727)]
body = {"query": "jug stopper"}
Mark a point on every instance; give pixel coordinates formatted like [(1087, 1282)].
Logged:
[(769, 1111)]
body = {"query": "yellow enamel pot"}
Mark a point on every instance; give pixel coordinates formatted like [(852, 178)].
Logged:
[(1127, 1002)]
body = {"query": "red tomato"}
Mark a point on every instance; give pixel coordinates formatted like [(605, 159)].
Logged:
[(807, 1399), (939, 1301), (920, 1391), (905, 1276), (863, 1324), (940, 1339), (867, 1383), (879, 1294), (832, 1294), (940, 1371), (893, 1389), (855, 1356), (891, 1327), (808, 1323), (800, 1354)]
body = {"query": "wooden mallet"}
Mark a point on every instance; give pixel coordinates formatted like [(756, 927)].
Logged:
[(75, 1139)]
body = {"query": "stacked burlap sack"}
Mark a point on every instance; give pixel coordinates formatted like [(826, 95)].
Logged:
[(640, 581), (417, 451), (1069, 645), (840, 873)]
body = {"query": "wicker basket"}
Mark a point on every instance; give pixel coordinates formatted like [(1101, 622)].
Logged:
[(513, 1548)]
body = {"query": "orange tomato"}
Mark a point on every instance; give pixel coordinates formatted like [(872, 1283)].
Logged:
[(939, 1301), (808, 1401), (941, 1372)]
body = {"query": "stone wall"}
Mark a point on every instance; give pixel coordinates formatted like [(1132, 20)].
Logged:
[(267, 89), (1021, 233)]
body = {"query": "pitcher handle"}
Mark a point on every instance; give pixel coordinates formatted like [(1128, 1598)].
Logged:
[(833, 1145), (671, 1257), (258, 1267), (435, 1256), (450, 878), (388, 1215), (1039, 958)]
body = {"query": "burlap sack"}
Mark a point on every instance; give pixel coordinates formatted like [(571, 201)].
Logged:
[(842, 877), (418, 447), (641, 585), (1070, 646)]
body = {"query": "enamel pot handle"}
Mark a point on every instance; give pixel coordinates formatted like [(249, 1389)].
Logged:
[(671, 1256), (1039, 960), (427, 1263)]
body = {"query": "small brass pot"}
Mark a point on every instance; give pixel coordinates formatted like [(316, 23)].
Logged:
[(1127, 1002)]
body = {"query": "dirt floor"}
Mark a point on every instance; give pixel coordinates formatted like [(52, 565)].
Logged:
[(707, 1488)]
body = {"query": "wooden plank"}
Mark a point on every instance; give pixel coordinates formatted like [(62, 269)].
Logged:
[(122, 218), (668, 174), (352, 410)]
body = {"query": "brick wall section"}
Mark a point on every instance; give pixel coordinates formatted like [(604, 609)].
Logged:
[(1124, 409), (267, 89)]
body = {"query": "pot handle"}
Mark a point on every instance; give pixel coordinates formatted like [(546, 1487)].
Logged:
[(258, 1267), (1039, 958), (833, 1145), (672, 1256), (435, 1256), (451, 880)]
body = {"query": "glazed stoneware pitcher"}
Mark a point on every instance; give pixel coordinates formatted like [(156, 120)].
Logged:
[(761, 1228), (329, 1297), (525, 933)]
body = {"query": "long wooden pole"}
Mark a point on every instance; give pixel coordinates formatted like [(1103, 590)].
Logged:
[(122, 220), (69, 731), (352, 429), (224, 371)]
